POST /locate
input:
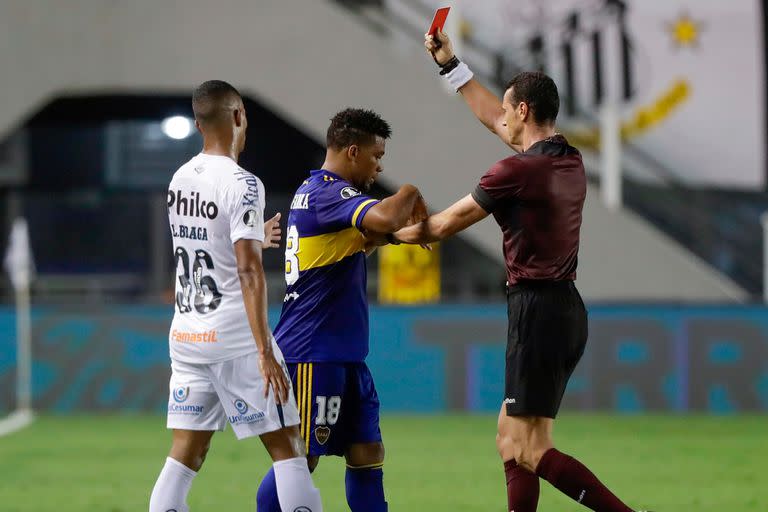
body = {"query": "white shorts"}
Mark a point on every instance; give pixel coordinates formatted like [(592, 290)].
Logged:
[(208, 396)]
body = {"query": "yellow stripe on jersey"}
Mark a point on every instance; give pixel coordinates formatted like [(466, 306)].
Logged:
[(359, 209), (320, 250)]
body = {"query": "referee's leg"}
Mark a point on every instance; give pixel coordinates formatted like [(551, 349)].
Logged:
[(526, 447)]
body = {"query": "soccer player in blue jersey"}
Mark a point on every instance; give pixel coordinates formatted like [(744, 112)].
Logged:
[(323, 328)]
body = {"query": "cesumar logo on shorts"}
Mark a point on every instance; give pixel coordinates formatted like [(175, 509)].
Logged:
[(190, 410), (180, 394), (242, 417)]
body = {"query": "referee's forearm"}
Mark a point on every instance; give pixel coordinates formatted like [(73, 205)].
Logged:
[(435, 229), (421, 233)]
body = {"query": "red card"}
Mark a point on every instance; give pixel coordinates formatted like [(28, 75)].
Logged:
[(438, 22)]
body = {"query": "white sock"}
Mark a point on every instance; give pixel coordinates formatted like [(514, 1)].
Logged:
[(171, 488), (295, 489)]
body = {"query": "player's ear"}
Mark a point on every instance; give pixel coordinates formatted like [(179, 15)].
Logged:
[(199, 128), (353, 151), (523, 111), (238, 117)]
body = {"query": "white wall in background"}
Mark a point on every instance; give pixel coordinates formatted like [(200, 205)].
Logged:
[(697, 67)]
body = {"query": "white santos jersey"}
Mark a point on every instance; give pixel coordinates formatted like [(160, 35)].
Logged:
[(212, 203)]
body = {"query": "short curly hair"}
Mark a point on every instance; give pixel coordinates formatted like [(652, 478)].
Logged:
[(356, 126)]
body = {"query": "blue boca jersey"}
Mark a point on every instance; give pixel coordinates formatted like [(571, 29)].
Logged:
[(325, 310)]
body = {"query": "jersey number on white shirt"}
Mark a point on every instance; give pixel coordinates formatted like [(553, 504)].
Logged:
[(206, 294)]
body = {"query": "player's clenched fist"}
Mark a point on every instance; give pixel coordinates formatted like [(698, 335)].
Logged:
[(439, 46), (274, 377)]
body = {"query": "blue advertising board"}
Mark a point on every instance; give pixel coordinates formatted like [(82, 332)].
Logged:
[(425, 359)]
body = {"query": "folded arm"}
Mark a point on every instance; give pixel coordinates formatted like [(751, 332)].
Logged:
[(394, 212), (457, 217)]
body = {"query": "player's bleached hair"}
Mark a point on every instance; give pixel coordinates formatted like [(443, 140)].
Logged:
[(356, 126), (540, 93), (212, 99)]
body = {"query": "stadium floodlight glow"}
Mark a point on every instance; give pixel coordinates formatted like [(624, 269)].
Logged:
[(177, 127)]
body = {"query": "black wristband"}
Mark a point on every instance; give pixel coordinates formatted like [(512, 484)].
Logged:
[(450, 65), (391, 239)]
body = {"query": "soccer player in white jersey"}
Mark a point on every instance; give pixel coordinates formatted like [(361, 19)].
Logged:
[(226, 366)]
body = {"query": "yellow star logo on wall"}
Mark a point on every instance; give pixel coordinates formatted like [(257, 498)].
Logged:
[(685, 31)]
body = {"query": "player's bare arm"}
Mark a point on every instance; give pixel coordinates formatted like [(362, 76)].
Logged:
[(486, 106), (457, 217), (272, 232), (395, 211), (250, 270)]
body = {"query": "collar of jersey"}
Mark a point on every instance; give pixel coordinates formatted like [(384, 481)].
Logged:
[(323, 172), (206, 155), (540, 147)]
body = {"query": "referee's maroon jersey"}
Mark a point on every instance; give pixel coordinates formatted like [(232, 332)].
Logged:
[(536, 198)]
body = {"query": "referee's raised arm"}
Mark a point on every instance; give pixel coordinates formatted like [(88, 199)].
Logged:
[(486, 106)]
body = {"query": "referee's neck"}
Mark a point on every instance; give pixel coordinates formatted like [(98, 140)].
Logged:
[(535, 133)]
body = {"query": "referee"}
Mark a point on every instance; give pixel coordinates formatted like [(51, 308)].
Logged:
[(537, 198)]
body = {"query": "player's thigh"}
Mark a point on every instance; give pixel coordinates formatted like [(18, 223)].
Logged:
[(190, 447), (251, 407), (361, 417), (523, 438), (321, 400), (364, 454), (285, 443), (524, 429), (193, 404)]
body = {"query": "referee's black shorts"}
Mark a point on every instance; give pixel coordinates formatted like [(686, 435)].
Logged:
[(546, 338)]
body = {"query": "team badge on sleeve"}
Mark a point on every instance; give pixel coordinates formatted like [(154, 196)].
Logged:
[(349, 192), (250, 218)]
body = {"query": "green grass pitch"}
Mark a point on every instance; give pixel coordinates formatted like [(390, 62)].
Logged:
[(664, 463)]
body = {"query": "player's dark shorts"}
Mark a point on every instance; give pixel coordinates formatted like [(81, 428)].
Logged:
[(546, 338), (338, 405)]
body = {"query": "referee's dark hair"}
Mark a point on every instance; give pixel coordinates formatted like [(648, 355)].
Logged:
[(212, 99), (539, 92), (356, 126)]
